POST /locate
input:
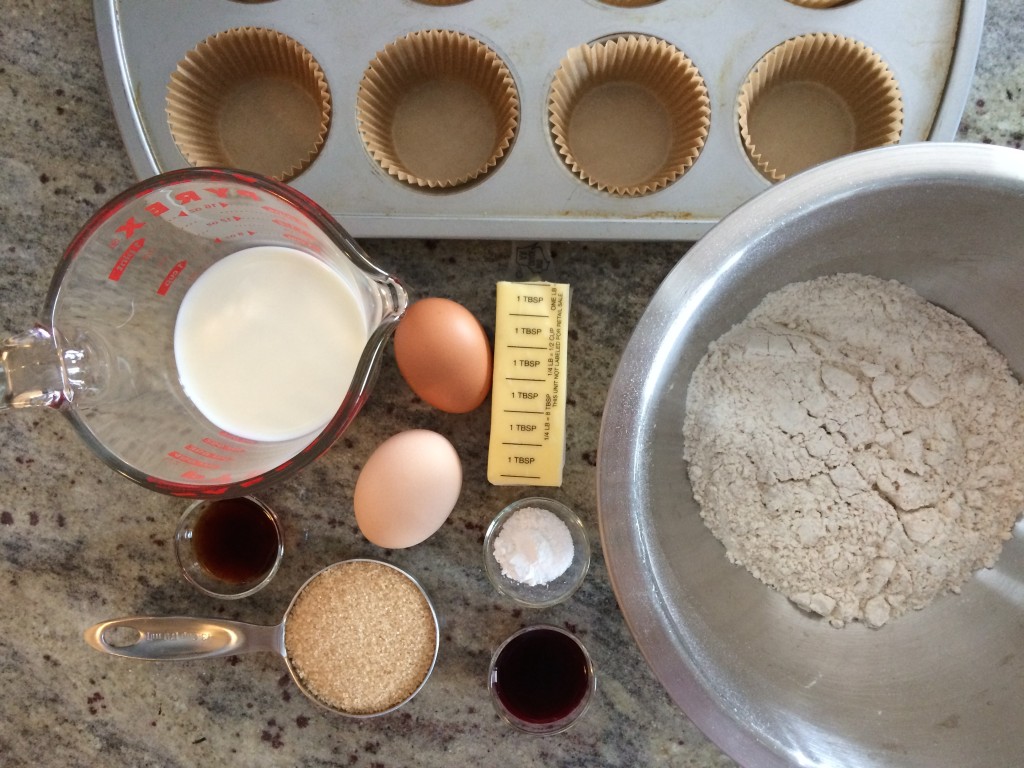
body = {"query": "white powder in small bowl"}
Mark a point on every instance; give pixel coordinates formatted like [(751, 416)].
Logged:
[(533, 547)]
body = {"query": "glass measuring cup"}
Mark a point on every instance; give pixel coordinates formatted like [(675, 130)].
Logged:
[(105, 356), (178, 638)]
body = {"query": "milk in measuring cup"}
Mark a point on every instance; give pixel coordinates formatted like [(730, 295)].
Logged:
[(266, 342)]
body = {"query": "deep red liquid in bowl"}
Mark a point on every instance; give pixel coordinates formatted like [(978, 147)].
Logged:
[(541, 676)]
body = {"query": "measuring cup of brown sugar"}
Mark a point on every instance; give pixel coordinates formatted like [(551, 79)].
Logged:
[(360, 638), (229, 548), (207, 331)]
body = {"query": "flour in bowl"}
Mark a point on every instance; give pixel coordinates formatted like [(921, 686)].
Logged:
[(856, 447)]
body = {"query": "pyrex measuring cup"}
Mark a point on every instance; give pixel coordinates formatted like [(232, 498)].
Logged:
[(178, 638), (105, 356)]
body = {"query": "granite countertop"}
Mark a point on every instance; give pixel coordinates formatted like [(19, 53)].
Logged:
[(78, 544)]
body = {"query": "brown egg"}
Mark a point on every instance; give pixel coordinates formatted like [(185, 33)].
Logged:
[(444, 355)]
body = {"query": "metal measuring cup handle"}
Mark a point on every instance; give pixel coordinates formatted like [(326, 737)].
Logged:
[(182, 638)]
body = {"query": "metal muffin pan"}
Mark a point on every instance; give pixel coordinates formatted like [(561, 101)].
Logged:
[(930, 46)]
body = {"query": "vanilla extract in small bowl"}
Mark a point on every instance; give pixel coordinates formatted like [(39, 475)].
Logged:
[(229, 548)]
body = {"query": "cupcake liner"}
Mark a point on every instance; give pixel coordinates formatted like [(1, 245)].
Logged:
[(629, 115), (814, 98), (437, 109), (249, 98), (629, 3)]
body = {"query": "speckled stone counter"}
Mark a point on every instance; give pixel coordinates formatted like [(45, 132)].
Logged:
[(78, 544)]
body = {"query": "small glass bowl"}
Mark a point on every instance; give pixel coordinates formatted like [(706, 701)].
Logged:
[(541, 679), (191, 552), (561, 588)]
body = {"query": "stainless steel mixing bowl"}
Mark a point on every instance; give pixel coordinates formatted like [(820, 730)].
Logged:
[(769, 684)]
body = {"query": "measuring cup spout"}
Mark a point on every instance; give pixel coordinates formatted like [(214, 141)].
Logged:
[(31, 371), (182, 638), (394, 298)]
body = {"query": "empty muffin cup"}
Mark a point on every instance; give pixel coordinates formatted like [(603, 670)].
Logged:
[(249, 98), (629, 114), (814, 98), (437, 109)]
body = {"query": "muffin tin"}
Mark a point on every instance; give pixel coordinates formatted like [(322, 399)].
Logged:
[(621, 119)]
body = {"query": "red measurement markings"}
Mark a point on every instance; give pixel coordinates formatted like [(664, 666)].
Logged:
[(127, 255), (176, 270), (293, 227), (188, 490), (224, 443), (179, 456), (236, 438), (193, 475), (223, 446), (192, 448)]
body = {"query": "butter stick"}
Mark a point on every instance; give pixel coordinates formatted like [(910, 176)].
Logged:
[(531, 332)]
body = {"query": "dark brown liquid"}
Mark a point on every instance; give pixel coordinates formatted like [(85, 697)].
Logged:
[(235, 540), (541, 676)]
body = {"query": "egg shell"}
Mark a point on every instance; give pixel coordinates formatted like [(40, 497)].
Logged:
[(444, 355), (407, 488)]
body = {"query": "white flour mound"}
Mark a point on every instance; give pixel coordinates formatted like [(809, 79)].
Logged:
[(856, 448)]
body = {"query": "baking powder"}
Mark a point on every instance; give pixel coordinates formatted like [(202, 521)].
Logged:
[(533, 547)]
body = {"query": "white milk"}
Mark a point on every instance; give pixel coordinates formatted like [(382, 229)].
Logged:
[(266, 342)]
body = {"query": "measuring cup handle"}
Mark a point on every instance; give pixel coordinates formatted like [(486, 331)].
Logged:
[(31, 373), (181, 638)]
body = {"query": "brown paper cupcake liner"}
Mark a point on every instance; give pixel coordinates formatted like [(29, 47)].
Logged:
[(437, 109), (249, 98), (814, 98), (629, 3), (629, 115)]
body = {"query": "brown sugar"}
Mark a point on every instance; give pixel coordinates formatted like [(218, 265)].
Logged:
[(361, 637)]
